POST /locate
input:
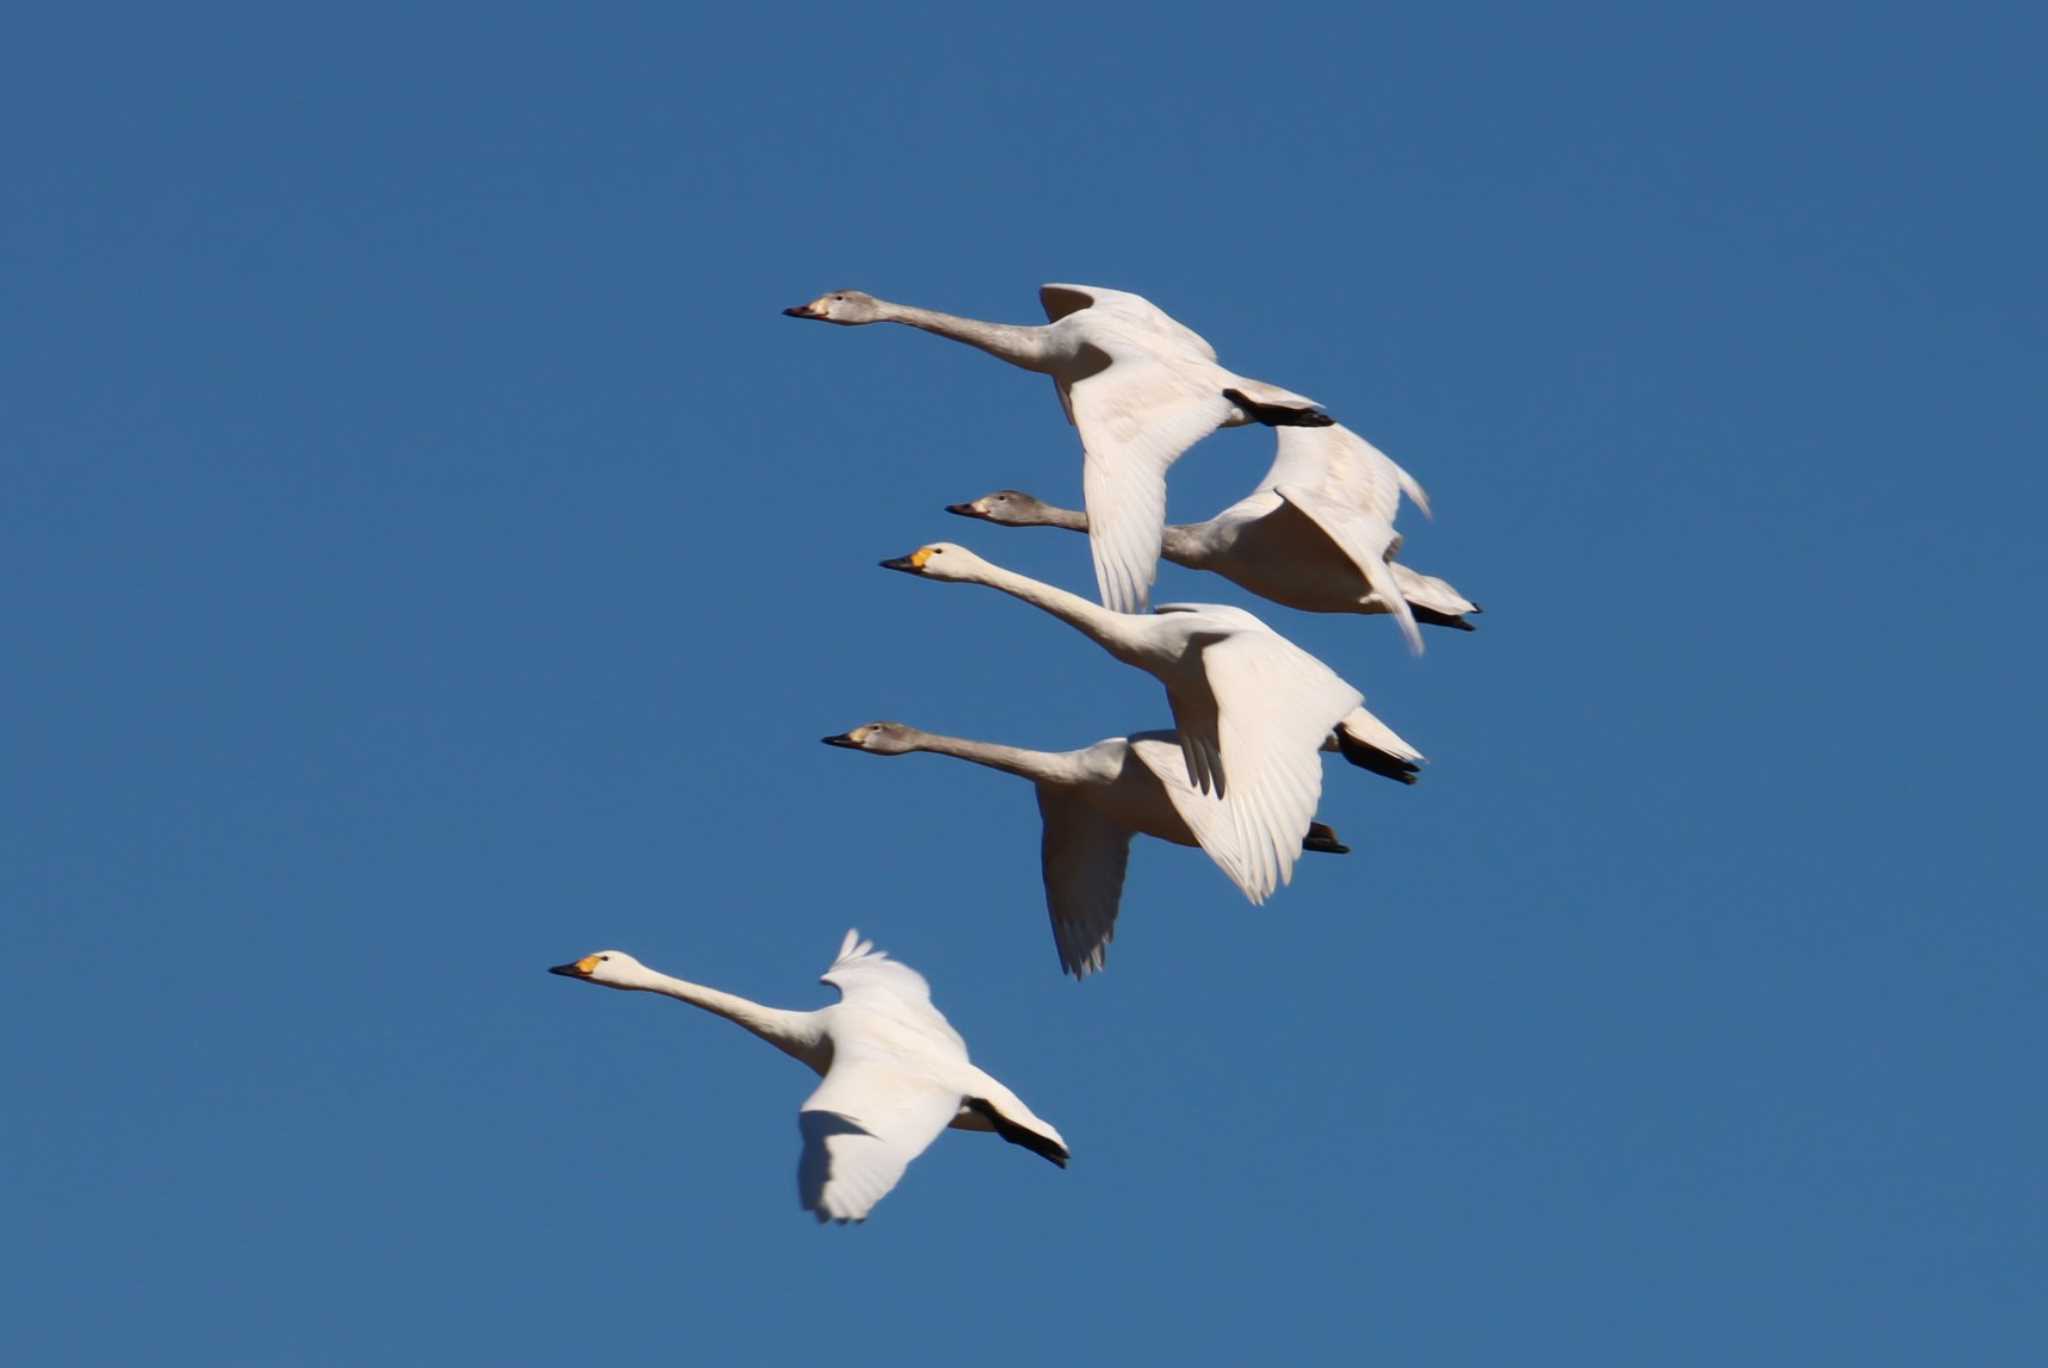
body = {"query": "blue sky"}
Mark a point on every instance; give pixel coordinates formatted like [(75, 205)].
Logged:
[(430, 556)]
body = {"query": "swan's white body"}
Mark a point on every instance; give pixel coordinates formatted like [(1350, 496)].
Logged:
[(1140, 388), (1253, 709), (1316, 534), (896, 1073), (1092, 801)]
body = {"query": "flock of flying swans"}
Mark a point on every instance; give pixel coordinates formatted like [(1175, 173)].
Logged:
[(1239, 777)]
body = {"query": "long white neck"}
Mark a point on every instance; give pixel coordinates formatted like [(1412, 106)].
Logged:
[(1037, 766), (1019, 344), (1105, 626), (794, 1033)]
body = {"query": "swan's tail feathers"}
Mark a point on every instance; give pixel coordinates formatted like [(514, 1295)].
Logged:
[(1016, 1123), (1276, 407), (1323, 841), (1431, 599), (1372, 745)]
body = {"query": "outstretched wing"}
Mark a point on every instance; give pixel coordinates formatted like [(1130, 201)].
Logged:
[(1204, 813), (1135, 416), (1134, 310), (862, 1127), (862, 969), (1337, 464), (1270, 706), (1083, 855), (1365, 539)]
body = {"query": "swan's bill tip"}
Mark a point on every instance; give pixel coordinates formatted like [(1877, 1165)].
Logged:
[(799, 311), (576, 969), (910, 564)]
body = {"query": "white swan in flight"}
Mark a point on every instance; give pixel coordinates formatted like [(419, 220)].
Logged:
[(1316, 534), (1252, 708), (896, 1073), (1092, 802), (1140, 388)]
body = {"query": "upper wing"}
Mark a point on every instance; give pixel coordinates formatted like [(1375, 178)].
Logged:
[(862, 1127), (1342, 467), (866, 977), (1136, 417), (1365, 539), (1274, 706), (1135, 310), (1083, 855)]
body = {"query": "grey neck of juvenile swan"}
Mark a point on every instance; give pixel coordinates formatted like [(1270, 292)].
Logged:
[(1182, 544), (1019, 344), (1037, 766), (796, 1034)]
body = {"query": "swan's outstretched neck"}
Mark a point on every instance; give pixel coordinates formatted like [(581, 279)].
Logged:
[(794, 1033), (1103, 625), (1019, 344), (1037, 766)]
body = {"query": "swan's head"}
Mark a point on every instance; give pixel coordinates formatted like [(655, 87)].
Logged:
[(940, 560), (611, 968), (848, 307), (878, 738), (1008, 507)]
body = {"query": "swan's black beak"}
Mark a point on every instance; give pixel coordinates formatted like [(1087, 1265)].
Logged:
[(966, 510), (843, 739), (802, 311), (904, 563), (566, 970)]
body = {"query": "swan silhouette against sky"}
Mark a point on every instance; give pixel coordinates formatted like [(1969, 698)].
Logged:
[(896, 1072), (1316, 534), (1092, 801), (1140, 387), (1252, 709)]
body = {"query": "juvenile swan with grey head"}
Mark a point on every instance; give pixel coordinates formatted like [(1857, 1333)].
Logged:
[(1140, 387), (1092, 801), (1316, 534), (896, 1073)]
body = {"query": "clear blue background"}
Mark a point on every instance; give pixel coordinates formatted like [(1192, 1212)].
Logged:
[(428, 555)]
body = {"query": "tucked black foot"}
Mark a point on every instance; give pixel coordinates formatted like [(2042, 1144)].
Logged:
[(1278, 415), (1323, 841), (1430, 617), (1374, 759)]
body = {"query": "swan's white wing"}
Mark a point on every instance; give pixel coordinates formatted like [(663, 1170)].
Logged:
[(1136, 310), (1342, 467), (868, 978), (1365, 540), (862, 1127), (1274, 705), (1205, 814), (1083, 855), (1136, 417), (862, 969)]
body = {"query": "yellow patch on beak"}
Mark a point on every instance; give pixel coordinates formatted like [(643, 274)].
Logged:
[(920, 556), (858, 734), (587, 965)]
